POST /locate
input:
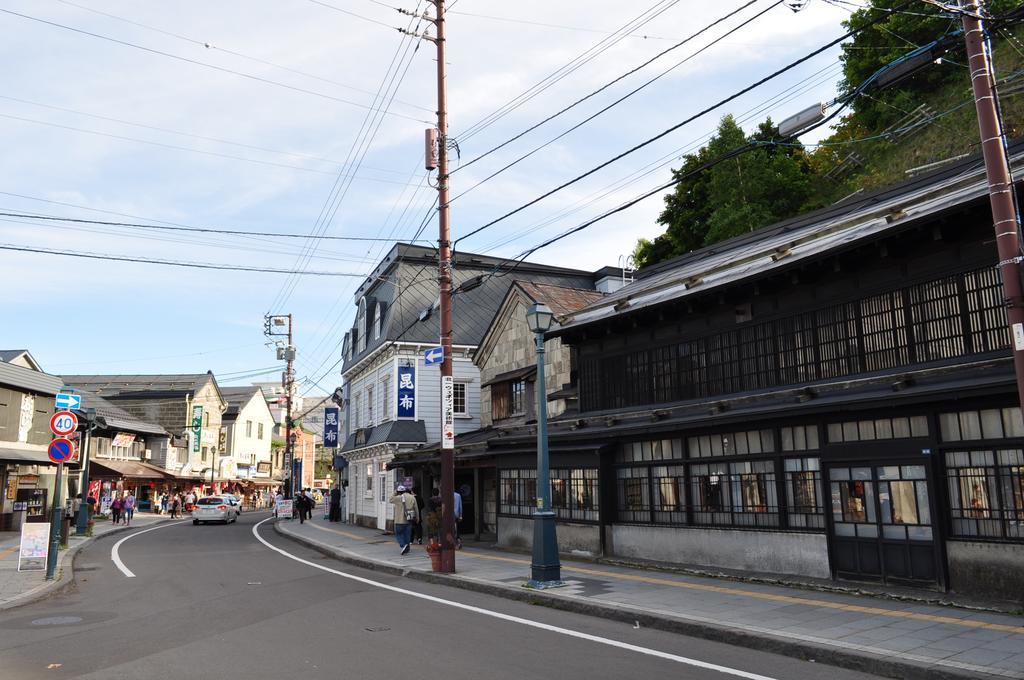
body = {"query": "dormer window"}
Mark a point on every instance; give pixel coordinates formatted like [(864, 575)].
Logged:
[(361, 325), (378, 320)]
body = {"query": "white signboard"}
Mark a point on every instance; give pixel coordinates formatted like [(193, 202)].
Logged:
[(284, 509), (447, 412), (35, 544)]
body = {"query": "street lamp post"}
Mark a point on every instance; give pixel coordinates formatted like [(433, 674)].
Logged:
[(545, 570)]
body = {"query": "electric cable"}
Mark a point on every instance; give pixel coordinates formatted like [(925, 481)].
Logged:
[(613, 104), (204, 64), (612, 82), (675, 127)]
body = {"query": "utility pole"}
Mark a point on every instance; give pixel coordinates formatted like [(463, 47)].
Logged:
[(444, 249), (437, 158), (271, 326), (1000, 183)]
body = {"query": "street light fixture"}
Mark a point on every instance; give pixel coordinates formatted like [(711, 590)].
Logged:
[(545, 570)]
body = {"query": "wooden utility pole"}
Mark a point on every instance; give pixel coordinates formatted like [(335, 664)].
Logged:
[(444, 249), (1000, 181)]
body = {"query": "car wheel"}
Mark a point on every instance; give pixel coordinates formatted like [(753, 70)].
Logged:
[(195, 521)]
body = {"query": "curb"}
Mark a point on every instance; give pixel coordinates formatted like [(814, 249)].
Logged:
[(65, 573), (864, 662)]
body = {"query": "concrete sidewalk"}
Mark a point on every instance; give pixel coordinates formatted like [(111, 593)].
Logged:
[(895, 639), (21, 587)]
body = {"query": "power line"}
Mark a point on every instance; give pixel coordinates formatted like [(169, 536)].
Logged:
[(196, 62), (352, 14), (689, 119), (204, 230), (612, 82), (210, 46), (573, 65), (205, 138), (176, 147), (615, 103), (171, 263)]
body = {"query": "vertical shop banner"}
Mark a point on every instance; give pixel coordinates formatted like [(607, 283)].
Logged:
[(406, 392), (331, 426), (447, 412), (197, 427)]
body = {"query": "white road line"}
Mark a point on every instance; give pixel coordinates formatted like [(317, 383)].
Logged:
[(116, 558), (515, 619)]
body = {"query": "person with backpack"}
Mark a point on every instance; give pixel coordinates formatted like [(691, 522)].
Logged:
[(405, 512)]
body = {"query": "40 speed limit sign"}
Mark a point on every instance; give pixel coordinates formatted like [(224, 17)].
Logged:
[(63, 423)]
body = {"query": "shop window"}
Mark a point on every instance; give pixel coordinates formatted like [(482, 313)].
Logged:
[(985, 424), (803, 493), (651, 450), (986, 493), (731, 444), (880, 428), (735, 494), (574, 493), (799, 438), (518, 492), (668, 494), (633, 491)]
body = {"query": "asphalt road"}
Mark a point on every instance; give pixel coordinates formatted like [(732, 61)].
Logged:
[(215, 602)]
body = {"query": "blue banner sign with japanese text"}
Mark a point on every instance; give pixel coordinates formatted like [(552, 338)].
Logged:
[(331, 425), (406, 392)]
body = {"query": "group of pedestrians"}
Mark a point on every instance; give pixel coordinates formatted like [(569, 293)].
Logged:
[(122, 509), (177, 503), (408, 514)]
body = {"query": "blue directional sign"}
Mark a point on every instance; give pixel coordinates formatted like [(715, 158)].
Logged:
[(434, 355), (66, 401), (406, 392), (331, 425)]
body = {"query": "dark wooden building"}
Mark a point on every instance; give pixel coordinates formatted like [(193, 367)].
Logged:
[(831, 397)]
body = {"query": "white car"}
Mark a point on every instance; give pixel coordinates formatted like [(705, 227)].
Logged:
[(235, 501), (214, 509)]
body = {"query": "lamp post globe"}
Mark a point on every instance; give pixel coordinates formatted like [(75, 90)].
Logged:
[(545, 569)]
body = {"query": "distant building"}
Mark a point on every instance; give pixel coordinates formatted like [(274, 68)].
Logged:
[(249, 425)]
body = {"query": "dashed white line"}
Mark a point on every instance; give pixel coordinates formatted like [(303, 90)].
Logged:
[(516, 619), (115, 557)]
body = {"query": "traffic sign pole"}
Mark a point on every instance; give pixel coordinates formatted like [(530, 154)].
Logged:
[(58, 508)]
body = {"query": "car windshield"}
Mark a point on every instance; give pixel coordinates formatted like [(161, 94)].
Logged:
[(215, 500)]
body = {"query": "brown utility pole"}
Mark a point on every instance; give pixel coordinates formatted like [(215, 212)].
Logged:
[(1000, 182), (444, 249), (289, 381)]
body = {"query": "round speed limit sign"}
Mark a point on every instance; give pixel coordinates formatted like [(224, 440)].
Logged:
[(63, 423)]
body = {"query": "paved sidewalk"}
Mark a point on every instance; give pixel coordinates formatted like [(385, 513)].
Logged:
[(898, 639), (21, 587)]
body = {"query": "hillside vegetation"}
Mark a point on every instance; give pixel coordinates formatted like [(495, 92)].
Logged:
[(884, 137)]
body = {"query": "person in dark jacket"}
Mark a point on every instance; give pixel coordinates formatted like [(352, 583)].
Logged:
[(335, 512)]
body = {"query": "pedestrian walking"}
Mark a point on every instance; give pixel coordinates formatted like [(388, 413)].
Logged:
[(417, 524), (163, 504), (175, 503), (335, 514), (129, 508), (302, 503), (309, 504), (457, 505), (116, 506), (405, 512)]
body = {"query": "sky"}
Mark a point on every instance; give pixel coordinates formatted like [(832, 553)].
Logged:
[(302, 117)]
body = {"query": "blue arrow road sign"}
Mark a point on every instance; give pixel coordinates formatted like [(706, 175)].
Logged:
[(434, 355), (66, 401)]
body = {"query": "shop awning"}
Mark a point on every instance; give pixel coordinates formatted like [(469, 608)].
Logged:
[(127, 468), (24, 456)]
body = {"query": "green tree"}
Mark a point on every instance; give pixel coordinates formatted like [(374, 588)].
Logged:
[(741, 194)]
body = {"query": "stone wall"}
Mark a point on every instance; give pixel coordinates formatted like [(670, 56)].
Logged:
[(774, 552), (517, 532), (987, 570)]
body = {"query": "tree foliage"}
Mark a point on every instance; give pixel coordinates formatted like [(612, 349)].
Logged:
[(741, 194)]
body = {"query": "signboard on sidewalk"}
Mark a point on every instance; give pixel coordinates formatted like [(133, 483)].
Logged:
[(35, 546), (406, 392), (447, 412), (197, 427), (284, 509), (331, 425)]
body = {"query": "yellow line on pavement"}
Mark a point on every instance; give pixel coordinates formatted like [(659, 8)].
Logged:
[(789, 599), (354, 537), (5, 553)]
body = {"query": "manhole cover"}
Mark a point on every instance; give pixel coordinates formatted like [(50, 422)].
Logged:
[(57, 621)]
